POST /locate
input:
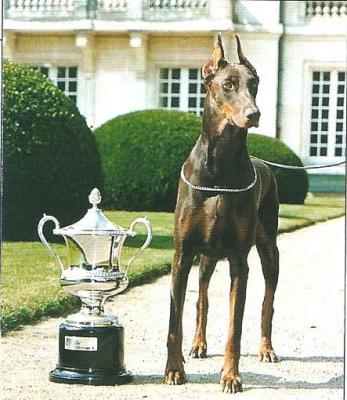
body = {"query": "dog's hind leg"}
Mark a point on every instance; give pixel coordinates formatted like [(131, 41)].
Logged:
[(268, 252), (174, 372), (199, 346)]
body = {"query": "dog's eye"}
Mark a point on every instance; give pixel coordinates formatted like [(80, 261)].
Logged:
[(228, 85), (253, 89)]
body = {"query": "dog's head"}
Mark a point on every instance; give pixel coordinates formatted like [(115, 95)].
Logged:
[(232, 86)]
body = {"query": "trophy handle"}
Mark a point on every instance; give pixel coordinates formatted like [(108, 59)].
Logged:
[(43, 220), (148, 226)]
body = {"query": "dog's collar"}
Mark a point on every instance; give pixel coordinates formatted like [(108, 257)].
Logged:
[(216, 188)]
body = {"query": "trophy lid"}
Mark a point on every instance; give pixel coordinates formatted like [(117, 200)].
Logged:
[(94, 222)]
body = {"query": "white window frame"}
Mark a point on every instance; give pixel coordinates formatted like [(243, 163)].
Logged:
[(198, 95), (184, 88), (170, 81), (67, 79), (53, 76), (309, 68)]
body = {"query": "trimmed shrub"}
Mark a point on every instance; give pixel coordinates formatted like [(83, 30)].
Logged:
[(50, 156), (292, 184), (141, 155)]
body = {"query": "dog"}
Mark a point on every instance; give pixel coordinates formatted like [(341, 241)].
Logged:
[(226, 203)]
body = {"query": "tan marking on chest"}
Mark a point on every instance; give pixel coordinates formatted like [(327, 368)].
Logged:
[(211, 207), (215, 218)]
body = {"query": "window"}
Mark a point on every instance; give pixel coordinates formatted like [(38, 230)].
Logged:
[(64, 77), (327, 124), (67, 81), (170, 87), (340, 124), (182, 88)]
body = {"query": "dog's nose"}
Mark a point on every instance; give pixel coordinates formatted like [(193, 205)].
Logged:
[(253, 115)]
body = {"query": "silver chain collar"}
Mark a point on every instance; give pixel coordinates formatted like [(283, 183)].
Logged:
[(216, 188)]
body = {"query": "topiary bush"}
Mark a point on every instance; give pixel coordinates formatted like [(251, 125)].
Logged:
[(141, 155), (292, 184), (50, 155)]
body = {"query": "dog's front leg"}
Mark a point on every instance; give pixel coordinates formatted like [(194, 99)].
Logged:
[(230, 379), (174, 372), (199, 346)]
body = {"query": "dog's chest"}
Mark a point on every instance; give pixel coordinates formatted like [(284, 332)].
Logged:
[(226, 222)]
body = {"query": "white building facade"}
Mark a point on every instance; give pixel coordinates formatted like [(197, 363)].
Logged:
[(116, 56)]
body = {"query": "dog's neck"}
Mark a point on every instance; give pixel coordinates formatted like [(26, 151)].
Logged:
[(222, 148)]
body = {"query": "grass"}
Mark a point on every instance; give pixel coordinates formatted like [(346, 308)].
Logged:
[(30, 278)]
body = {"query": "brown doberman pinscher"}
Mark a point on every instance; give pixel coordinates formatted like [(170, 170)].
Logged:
[(218, 224)]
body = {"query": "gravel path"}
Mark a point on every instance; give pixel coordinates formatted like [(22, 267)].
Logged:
[(308, 334)]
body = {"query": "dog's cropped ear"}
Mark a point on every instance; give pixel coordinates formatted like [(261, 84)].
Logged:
[(243, 60), (216, 61)]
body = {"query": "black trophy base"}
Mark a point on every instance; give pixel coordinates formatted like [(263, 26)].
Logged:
[(91, 356), (60, 375)]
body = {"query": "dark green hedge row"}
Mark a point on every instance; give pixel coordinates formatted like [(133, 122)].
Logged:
[(50, 156), (292, 184), (142, 153)]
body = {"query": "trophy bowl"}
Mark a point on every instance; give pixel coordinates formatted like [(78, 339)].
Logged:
[(91, 343)]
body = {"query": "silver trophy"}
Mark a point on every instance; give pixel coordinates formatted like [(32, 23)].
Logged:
[(91, 349)]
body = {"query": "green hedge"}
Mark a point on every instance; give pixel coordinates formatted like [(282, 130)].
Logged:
[(292, 184), (142, 153), (50, 156)]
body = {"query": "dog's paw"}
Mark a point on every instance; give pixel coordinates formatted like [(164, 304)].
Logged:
[(175, 378), (268, 356), (267, 353), (174, 374), (231, 383), (198, 351)]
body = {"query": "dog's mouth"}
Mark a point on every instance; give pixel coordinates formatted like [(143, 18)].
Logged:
[(250, 124), (246, 125)]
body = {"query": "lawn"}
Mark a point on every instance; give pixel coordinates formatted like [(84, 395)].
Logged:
[(30, 278), (316, 209)]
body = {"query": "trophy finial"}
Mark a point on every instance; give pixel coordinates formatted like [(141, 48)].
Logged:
[(94, 197)]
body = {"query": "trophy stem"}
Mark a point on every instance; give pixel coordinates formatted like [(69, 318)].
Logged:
[(92, 311), (92, 303), (86, 309)]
